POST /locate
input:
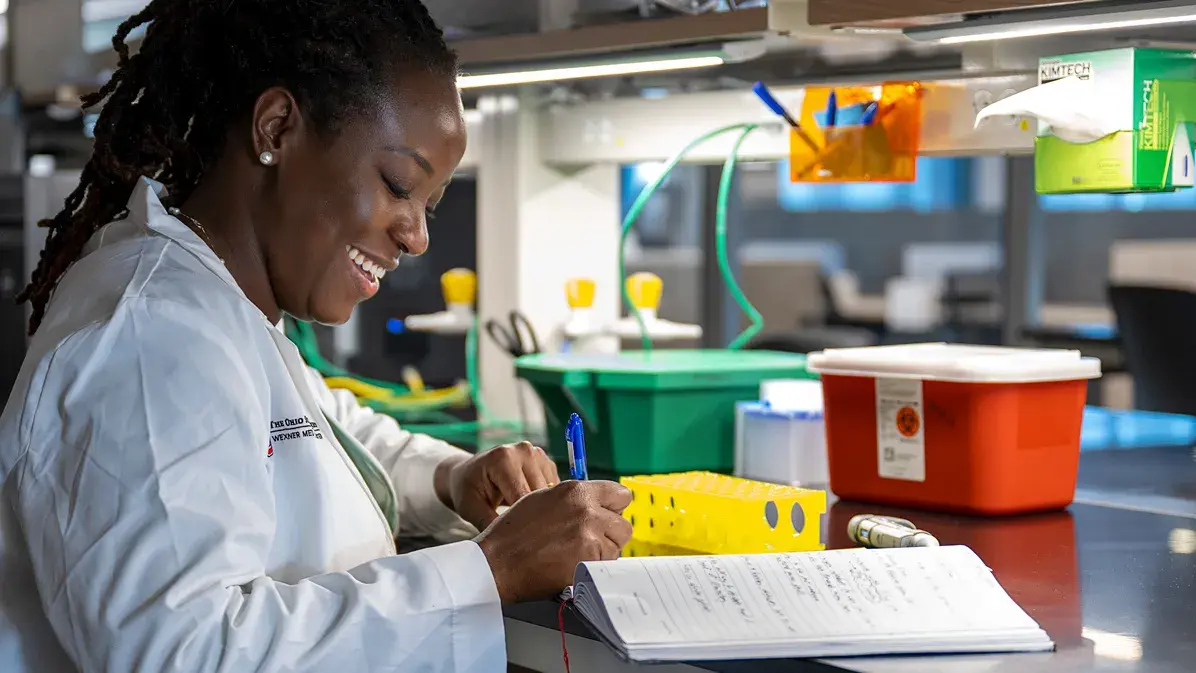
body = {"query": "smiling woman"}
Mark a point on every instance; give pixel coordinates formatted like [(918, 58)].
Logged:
[(180, 491)]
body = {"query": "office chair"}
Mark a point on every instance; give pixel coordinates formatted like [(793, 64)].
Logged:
[(833, 316), (1158, 337)]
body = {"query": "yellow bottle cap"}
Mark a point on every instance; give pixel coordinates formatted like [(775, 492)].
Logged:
[(579, 292), (460, 286), (645, 290)]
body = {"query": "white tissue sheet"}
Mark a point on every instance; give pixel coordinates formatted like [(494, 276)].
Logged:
[(1070, 107)]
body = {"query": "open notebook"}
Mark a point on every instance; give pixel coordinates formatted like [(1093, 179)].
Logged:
[(817, 604)]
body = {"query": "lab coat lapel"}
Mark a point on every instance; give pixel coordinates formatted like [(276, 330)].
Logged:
[(364, 466), (376, 480)]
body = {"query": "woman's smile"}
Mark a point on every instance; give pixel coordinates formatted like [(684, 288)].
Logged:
[(367, 273)]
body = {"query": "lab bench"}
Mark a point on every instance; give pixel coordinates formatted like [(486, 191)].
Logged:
[(1112, 579)]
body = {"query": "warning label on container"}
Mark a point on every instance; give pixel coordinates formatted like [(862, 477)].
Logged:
[(900, 430)]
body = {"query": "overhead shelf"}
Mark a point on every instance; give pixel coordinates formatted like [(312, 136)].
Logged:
[(909, 13), (783, 17)]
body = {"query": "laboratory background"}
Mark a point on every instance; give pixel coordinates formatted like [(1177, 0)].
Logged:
[(930, 260)]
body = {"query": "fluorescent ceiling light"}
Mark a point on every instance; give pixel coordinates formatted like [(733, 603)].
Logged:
[(649, 64), (1059, 21)]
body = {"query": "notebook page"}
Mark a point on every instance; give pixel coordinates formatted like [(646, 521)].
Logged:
[(902, 593)]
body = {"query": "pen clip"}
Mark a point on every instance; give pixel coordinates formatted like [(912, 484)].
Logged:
[(569, 438)]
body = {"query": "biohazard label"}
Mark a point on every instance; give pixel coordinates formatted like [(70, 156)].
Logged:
[(900, 430)]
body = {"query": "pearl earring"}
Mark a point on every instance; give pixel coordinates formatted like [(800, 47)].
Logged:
[(266, 158)]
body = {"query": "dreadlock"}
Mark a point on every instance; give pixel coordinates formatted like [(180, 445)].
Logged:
[(201, 66)]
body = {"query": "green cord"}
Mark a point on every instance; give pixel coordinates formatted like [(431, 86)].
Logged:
[(471, 369), (421, 417), (425, 417), (304, 337), (641, 202), (467, 431), (720, 241)]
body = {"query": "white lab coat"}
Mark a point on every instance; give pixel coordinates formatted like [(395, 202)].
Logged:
[(173, 497)]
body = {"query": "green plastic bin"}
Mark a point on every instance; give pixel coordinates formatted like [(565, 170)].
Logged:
[(656, 412)]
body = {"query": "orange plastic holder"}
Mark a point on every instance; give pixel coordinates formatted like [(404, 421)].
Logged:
[(884, 149)]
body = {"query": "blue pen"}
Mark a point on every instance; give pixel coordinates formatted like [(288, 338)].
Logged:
[(773, 104), (832, 109), (869, 114), (575, 437)]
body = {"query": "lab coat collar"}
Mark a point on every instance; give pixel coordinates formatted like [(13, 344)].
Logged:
[(145, 205)]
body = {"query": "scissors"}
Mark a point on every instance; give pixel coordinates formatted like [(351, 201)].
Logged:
[(519, 339)]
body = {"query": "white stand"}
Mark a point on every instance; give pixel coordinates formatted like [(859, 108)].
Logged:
[(538, 226), (456, 320), (659, 330)]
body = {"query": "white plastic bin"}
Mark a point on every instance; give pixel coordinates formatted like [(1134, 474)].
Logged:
[(782, 438)]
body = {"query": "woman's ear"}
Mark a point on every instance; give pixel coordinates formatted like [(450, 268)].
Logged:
[(276, 119)]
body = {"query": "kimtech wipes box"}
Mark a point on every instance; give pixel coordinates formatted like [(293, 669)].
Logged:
[(1134, 105)]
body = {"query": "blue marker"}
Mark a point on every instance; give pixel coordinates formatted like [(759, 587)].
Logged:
[(575, 437)]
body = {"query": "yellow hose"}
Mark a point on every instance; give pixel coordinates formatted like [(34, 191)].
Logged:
[(371, 392), (359, 388)]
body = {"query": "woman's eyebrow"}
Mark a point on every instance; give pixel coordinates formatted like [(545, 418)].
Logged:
[(414, 154)]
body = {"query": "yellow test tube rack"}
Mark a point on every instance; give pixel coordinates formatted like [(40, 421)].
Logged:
[(717, 514)]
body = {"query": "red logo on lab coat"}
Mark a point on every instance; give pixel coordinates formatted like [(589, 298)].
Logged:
[(270, 450)]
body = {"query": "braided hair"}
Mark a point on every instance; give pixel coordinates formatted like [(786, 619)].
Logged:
[(201, 66)]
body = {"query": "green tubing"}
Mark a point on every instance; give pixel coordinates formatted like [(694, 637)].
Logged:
[(471, 369), (637, 209), (720, 225), (720, 240)]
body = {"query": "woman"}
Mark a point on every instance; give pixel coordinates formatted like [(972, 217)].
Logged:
[(179, 491)]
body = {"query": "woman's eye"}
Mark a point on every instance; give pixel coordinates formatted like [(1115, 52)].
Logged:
[(397, 191)]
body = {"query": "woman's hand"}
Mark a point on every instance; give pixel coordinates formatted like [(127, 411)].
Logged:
[(475, 487), (534, 549)]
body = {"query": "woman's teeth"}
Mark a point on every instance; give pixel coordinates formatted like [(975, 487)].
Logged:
[(369, 267)]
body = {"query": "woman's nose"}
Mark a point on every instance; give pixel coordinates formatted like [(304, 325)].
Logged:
[(412, 236)]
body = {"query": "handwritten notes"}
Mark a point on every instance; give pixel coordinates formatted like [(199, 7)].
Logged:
[(825, 596)]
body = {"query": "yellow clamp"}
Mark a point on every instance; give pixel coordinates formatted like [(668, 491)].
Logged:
[(579, 292), (645, 290), (460, 286)]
